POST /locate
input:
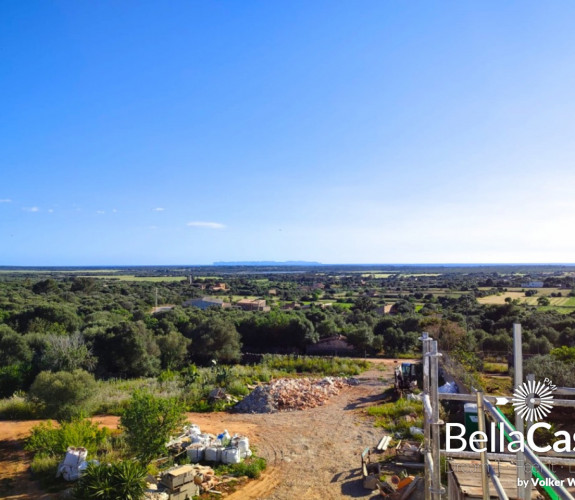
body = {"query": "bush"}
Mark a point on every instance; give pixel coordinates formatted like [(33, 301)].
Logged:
[(117, 481), (64, 395), (13, 378), (149, 421), (17, 408), (317, 365), (44, 467), (393, 416), (48, 440), (251, 467)]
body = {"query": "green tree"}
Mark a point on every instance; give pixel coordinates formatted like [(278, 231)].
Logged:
[(564, 353), (218, 339), (402, 306), (363, 304), (361, 337), (174, 350), (66, 353), (13, 347), (396, 341), (148, 422), (64, 395), (45, 286), (135, 351), (543, 301)]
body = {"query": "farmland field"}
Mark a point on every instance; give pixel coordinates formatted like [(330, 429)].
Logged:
[(131, 277), (57, 271), (561, 304)]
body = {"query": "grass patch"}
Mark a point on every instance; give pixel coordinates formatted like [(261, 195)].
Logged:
[(496, 385), (497, 368), (132, 277), (18, 408), (315, 365), (398, 417), (250, 467)]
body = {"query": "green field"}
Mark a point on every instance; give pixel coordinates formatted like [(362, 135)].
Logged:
[(561, 304), (376, 275), (45, 271), (131, 277)]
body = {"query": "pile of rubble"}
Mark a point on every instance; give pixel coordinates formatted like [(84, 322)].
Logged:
[(289, 394)]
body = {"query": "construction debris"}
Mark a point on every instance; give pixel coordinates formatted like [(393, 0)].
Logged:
[(188, 481), (289, 394), (384, 443), (201, 447), (409, 451), (74, 464)]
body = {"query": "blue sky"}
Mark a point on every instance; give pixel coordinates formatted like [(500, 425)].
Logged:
[(182, 132)]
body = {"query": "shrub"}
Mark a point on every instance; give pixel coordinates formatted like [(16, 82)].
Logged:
[(309, 364), (17, 408), (44, 467), (15, 377), (64, 395), (48, 440), (117, 481), (251, 467), (393, 416), (148, 422)]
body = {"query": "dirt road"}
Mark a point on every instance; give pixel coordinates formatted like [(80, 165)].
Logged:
[(311, 454)]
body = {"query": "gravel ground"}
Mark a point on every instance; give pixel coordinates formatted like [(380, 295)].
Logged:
[(312, 454)]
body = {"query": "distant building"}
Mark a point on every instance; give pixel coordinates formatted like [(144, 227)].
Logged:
[(532, 284), (330, 346), (252, 305), (206, 302)]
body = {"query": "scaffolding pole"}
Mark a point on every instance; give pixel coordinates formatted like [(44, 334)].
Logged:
[(484, 462), (428, 416), (519, 423), (436, 489)]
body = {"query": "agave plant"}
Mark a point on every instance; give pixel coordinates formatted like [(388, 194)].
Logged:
[(118, 481)]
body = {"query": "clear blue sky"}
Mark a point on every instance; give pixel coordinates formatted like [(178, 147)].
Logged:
[(183, 132)]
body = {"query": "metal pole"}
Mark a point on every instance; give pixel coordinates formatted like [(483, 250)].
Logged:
[(484, 463), (557, 403), (435, 453), (519, 424), (528, 488), (507, 457), (497, 484), (426, 424)]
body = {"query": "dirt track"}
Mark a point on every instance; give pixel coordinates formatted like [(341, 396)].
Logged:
[(312, 454)]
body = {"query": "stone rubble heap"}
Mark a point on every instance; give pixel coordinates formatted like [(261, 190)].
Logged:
[(290, 394)]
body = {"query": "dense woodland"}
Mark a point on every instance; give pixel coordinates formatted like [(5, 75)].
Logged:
[(61, 322)]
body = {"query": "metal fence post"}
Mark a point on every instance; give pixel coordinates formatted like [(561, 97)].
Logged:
[(519, 424)]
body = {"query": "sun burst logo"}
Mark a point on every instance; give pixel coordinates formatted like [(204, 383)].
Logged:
[(533, 401)]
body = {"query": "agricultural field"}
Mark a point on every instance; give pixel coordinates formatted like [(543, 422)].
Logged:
[(564, 304), (131, 277)]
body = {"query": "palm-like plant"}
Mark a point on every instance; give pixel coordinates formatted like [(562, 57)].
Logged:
[(118, 481)]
